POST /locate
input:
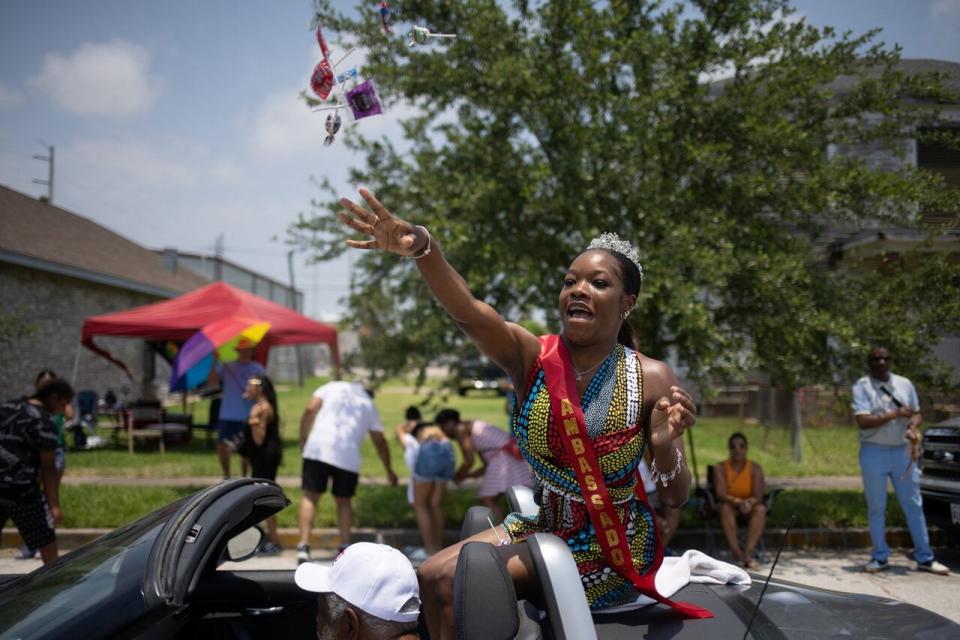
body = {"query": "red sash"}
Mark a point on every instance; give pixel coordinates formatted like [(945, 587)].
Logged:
[(569, 421)]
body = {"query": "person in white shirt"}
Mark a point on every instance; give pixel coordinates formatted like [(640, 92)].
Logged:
[(888, 415), (337, 418)]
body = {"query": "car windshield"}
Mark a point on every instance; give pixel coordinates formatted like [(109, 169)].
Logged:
[(98, 586)]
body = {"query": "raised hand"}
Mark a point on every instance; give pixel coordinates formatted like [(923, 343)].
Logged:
[(672, 417), (389, 232)]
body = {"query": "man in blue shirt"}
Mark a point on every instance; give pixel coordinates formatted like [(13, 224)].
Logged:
[(888, 414), (234, 408)]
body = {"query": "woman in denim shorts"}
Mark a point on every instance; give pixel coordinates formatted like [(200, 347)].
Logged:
[(433, 465)]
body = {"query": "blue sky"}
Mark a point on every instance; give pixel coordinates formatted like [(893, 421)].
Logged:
[(176, 121)]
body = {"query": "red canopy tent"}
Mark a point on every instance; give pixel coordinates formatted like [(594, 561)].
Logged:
[(181, 317)]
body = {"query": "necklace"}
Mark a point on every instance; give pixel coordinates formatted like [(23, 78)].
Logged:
[(580, 374)]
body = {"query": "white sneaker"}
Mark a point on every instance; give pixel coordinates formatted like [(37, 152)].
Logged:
[(933, 567), (875, 565)]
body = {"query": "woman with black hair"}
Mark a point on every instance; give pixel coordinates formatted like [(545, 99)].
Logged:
[(262, 444), (589, 406), (429, 455)]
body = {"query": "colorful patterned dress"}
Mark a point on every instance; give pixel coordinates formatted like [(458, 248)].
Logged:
[(612, 409)]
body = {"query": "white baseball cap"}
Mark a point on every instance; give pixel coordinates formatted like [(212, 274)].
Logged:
[(373, 577)]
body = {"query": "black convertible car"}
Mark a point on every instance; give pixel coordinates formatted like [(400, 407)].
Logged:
[(160, 577)]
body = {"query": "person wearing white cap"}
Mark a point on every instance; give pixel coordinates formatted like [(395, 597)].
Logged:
[(369, 593)]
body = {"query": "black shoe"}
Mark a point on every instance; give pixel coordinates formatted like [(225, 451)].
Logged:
[(875, 566), (303, 553)]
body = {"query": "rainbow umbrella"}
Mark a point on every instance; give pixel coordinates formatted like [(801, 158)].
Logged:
[(220, 338)]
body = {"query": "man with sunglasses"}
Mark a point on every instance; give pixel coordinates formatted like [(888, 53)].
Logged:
[(888, 414)]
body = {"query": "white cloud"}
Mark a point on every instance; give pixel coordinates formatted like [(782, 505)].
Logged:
[(9, 97), (111, 79), (946, 9), (139, 164), (284, 126)]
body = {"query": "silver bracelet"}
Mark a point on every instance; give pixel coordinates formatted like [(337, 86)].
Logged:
[(666, 478), (425, 252)]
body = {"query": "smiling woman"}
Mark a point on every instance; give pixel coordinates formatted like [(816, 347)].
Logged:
[(590, 406)]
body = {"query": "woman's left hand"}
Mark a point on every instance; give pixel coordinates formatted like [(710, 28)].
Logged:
[(672, 416)]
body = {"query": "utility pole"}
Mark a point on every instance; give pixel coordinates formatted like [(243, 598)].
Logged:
[(49, 181), (296, 307), (797, 425), (218, 258)]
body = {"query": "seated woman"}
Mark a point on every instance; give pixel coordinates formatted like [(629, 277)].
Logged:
[(739, 485), (429, 455), (502, 464), (589, 406), (262, 444)]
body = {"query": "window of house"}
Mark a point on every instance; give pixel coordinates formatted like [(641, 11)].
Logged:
[(938, 157)]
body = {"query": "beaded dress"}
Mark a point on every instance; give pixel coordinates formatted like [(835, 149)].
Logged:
[(612, 408)]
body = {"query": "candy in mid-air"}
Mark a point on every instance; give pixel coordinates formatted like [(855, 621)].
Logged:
[(346, 75), (332, 125), (322, 79), (364, 101), (420, 35), (385, 16)]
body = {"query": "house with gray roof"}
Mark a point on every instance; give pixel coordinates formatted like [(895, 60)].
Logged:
[(57, 268)]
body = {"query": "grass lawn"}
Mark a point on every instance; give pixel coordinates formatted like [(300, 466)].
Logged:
[(199, 458), (385, 507), (827, 451)]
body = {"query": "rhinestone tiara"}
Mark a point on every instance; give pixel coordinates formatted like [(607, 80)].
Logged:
[(613, 242)]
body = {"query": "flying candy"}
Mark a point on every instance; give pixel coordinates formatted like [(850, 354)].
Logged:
[(332, 125), (364, 101), (385, 17), (322, 79), (346, 75), (420, 35)]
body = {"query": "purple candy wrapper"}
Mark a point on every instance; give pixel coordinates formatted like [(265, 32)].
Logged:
[(364, 101)]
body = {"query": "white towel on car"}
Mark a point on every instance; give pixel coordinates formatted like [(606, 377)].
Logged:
[(693, 566)]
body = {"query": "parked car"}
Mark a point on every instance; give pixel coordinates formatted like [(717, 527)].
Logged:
[(158, 578), (489, 608), (482, 375), (940, 475), (162, 577)]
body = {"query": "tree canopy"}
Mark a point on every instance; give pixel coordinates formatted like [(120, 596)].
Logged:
[(715, 135)]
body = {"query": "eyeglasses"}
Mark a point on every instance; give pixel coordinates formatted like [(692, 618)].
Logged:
[(880, 358)]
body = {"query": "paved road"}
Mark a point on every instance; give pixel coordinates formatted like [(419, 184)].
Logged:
[(837, 570), (843, 571)]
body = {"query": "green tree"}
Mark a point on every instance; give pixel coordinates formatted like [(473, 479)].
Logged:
[(543, 124)]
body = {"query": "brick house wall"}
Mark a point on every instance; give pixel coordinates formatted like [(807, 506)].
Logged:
[(57, 305)]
